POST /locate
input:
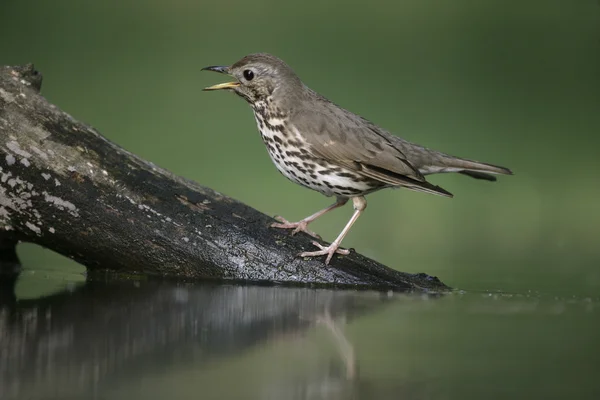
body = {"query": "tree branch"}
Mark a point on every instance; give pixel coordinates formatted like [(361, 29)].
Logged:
[(65, 187)]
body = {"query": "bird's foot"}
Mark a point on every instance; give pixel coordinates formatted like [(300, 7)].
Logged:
[(325, 250), (300, 226)]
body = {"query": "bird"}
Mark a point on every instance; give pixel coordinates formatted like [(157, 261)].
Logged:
[(319, 145)]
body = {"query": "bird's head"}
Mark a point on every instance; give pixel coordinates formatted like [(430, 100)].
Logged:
[(257, 77)]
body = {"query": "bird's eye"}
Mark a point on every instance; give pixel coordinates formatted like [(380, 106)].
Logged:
[(248, 74)]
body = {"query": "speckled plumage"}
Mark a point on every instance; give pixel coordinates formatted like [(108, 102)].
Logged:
[(321, 146), (291, 154)]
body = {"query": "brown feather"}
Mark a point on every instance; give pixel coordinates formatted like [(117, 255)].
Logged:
[(355, 144)]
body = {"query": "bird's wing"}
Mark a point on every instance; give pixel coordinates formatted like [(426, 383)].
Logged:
[(354, 143)]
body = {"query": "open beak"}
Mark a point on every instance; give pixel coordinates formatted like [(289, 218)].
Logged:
[(221, 70)]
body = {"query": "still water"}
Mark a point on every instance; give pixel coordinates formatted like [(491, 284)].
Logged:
[(169, 340)]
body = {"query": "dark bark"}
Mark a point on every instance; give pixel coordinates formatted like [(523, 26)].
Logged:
[(67, 188)]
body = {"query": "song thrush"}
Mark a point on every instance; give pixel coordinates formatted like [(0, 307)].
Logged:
[(319, 145)]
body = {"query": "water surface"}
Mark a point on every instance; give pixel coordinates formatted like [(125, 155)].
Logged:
[(146, 340)]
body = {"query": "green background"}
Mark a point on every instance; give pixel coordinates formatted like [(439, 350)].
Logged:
[(505, 82), (511, 83)]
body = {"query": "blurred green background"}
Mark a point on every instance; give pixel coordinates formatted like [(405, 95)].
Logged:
[(511, 83)]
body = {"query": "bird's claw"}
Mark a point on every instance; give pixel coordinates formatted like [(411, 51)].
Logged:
[(300, 226), (325, 250)]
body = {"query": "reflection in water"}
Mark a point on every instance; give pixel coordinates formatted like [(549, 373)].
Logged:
[(345, 348), (335, 379), (87, 343), (150, 340)]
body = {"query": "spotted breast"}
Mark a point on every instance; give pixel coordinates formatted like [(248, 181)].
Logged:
[(291, 154)]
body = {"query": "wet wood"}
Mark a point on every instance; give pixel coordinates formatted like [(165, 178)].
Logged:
[(66, 187)]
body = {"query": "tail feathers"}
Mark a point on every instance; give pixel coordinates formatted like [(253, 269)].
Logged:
[(479, 175), (474, 169), (476, 166)]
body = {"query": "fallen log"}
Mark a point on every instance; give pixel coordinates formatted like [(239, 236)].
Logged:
[(67, 188)]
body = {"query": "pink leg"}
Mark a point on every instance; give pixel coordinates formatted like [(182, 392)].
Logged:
[(359, 206), (302, 226)]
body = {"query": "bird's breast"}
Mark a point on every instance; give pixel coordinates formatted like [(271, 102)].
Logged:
[(282, 144), (290, 154)]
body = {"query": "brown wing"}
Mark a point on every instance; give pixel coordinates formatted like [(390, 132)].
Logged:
[(356, 144)]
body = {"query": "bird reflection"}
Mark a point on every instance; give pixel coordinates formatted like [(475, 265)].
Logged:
[(335, 377), (101, 337)]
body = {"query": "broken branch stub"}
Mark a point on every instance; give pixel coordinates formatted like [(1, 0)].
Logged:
[(69, 189)]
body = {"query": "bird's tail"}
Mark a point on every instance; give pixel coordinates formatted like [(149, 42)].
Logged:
[(474, 169)]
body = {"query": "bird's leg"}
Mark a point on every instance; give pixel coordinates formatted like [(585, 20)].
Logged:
[(359, 206), (302, 226)]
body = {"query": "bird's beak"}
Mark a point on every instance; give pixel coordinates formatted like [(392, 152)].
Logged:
[(222, 70)]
